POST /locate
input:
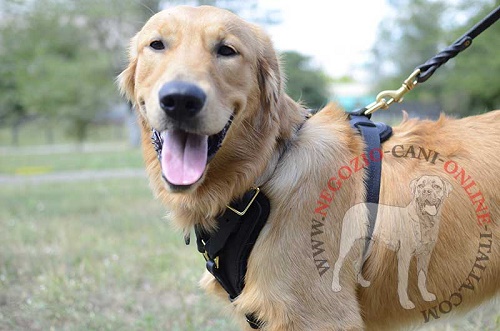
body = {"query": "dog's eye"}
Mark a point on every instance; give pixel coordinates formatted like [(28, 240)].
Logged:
[(225, 50), (157, 45)]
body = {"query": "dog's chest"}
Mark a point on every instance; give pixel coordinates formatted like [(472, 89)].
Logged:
[(424, 233)]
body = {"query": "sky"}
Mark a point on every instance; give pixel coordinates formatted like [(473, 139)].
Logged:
[(337, 34)]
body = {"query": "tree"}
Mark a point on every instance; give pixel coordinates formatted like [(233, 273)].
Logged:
[(305, 82), (407, 40), (12, 111), (473, 83), (416, 30), (36, 55), (59, 58)]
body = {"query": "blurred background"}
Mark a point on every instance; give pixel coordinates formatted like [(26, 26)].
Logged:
[(84, 246)]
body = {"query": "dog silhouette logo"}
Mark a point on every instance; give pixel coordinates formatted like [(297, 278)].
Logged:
[(410, 231)]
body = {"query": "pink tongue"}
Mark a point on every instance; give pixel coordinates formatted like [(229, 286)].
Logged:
[(183, 156)]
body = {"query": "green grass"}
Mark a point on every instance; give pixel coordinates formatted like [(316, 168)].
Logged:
[(37, 133), (97, 256), (23, 163)]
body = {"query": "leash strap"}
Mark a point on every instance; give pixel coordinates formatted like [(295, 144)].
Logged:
[(429, 67), (424, 71)]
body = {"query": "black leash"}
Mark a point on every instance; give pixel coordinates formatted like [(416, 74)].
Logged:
[(424, 71), (462, 43)]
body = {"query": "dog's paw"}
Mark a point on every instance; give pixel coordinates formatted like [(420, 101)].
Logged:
[(336, 287), (428, 296), (407, 304)]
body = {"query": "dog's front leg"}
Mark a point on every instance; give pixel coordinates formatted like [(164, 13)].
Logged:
[(422, 267), (404, 258)]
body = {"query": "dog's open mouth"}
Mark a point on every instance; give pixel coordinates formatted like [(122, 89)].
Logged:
[(431, 207), (184, 156)]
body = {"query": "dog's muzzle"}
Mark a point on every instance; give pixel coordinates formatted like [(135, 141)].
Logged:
[(429, 205), (184, 156)]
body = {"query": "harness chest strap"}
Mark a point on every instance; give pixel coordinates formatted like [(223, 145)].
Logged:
[(228, 249)]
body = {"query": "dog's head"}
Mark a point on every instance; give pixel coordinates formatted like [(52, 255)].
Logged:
[(429, 193), (193, 75)]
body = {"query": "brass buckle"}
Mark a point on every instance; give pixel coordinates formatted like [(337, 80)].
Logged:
[(394, 95), (216, 260), (243, 212)]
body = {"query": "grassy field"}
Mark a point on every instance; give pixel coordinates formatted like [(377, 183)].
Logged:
[(37, 133), (96, 256), (99, 255), (28, 164)]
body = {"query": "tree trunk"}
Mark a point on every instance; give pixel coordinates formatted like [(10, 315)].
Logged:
[(16, 127)]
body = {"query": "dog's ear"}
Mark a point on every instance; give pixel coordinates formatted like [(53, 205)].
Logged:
[(269, 74), (447, 187), (126, 80), (413, 185)]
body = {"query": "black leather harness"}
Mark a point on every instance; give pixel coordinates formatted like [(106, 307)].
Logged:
[(228, 249), (373, 133)]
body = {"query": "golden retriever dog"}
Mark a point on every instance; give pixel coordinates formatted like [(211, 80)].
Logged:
[(211, 84)]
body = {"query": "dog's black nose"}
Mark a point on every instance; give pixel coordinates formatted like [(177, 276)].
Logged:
[(181, 100)]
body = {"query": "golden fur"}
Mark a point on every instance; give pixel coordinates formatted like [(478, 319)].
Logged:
[(283, 286)]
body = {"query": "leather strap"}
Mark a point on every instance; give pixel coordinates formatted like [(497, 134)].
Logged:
[(227, 250), (373, 134)]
